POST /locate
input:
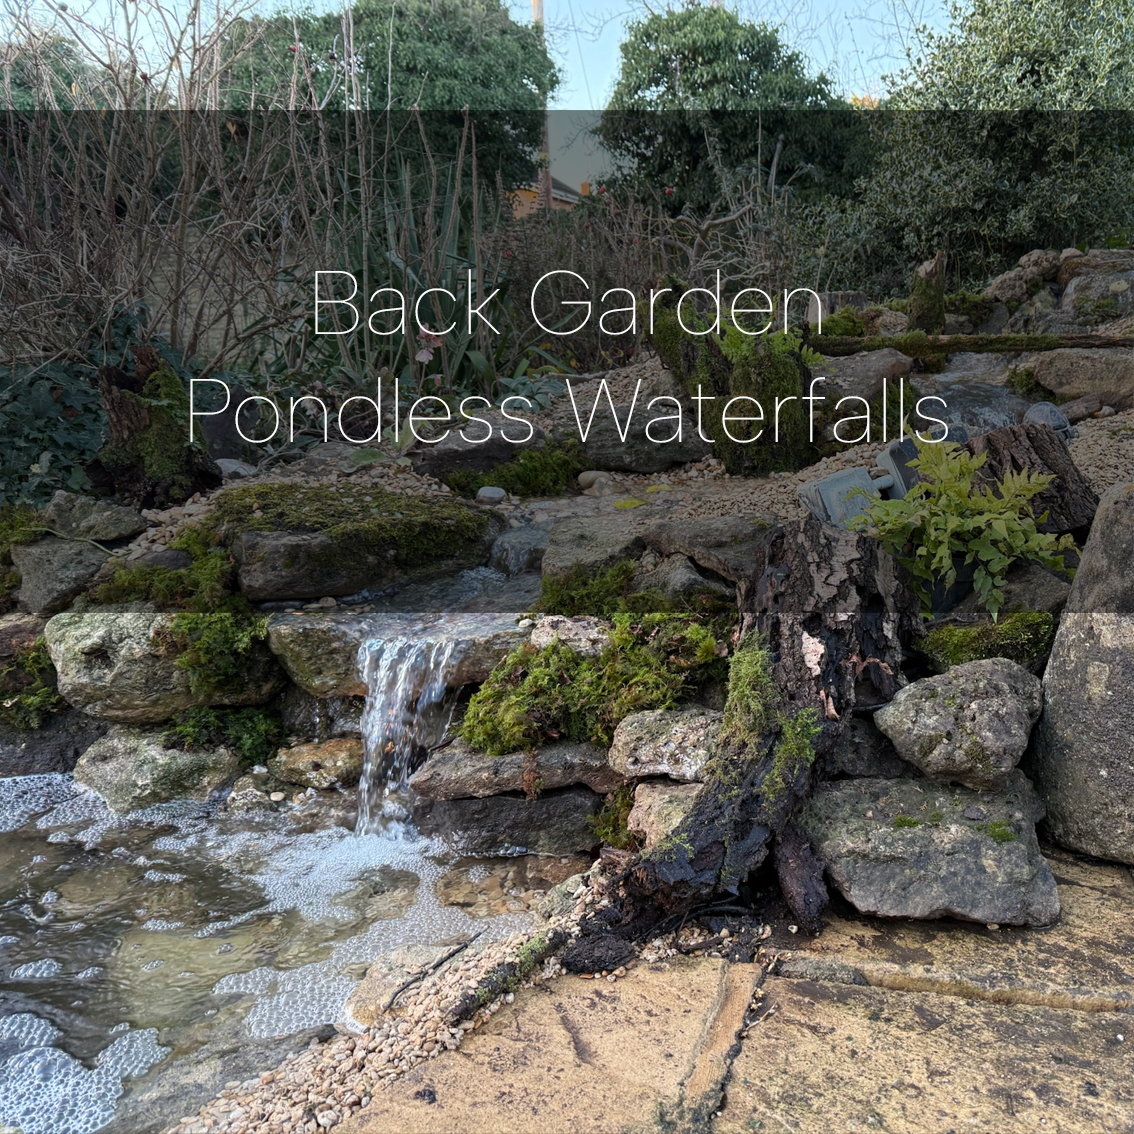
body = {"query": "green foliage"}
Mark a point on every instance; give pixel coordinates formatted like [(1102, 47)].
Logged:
[(255, 734), (949, 518), (609, 592), (547, 471), (28, 693), (533, 696), (437, 55), (699, 87), (219, 651), (1001, 831), (1010, 131), (609, 825), (901, 821), (794, 749), (1024, 637), (1022, 379), (972, 305)]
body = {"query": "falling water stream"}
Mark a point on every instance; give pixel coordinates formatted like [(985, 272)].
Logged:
[(140, 951)]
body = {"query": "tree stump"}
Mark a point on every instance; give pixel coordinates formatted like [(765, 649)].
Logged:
[(1069, 500), (836, 614)]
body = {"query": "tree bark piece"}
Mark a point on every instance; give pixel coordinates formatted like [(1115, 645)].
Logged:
[(837, 613), (1069, 501)]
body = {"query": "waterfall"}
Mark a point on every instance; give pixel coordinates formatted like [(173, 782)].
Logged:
[(408, 708)]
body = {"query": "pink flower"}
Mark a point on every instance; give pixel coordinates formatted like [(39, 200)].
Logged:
[(669, 192), (429, 340)]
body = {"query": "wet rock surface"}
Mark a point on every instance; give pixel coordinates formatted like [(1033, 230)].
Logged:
[(54, 747), (131, 768), (970, 725), (321, 764), (459, 771), (908, 848)]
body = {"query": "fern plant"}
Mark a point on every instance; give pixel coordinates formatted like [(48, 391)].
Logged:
[(949, 520)]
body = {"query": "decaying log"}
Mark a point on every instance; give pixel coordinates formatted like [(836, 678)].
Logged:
[(1081, 408), (1069, 500), (837, 614)]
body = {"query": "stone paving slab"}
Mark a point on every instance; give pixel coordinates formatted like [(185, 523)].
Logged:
[(644, 1054)]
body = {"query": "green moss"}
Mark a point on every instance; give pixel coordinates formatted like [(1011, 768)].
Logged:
[(794, 750), (255, 734), (971, 305), (609, 592), (163, 447), (901, 821), (767, 370), (936, 818), (1024, 638), (219, 651), (547, 471), (532, 696), (609, 824), (1096, 310), (17, 525), (207, 585), (28, 694), (1001, 832), (411, 531), (845, 321), (926, 310), (1022, 379), (752, 697), (899, 304)]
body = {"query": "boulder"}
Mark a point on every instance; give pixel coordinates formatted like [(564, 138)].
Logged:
[(865, 751), (1042, 263), (54, 572), (131, 769), (659, 809), (1024, 637), (725, 545), (119, 667), (320, 765), (461, 772), (677, 743), (519, 550), (592, 544), (908, 848), (84, 517), (1028, 587), (1099, 298), (1009, 287), (864, 375), (471, 446), (556, 823), (1082, 757), (1094, 261), (1068, 500), (53, 747), (583, 634), (604, 447), (970, 725), (1103, 581), (298, 565), (321, 654), (676, 577), (1075, 372)]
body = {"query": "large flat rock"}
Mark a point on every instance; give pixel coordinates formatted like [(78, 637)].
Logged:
[(321, 652)]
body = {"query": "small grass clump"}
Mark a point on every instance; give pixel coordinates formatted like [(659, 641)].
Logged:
[(254, 734), (609, 592), (609, 825), (1000, 831), (901, 821), (547, 471), (536, 695), (28, 694)]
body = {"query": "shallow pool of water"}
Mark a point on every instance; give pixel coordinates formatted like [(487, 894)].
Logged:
[(124, 941)]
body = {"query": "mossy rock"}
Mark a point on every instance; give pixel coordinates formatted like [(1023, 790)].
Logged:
[(308, 541), (1024, 638), (549, 470), (926, 310)]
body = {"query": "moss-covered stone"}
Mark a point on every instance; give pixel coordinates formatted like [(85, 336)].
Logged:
[(926, 310), (546, 471), (534, 695), (581, 591), (1024, 638)]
